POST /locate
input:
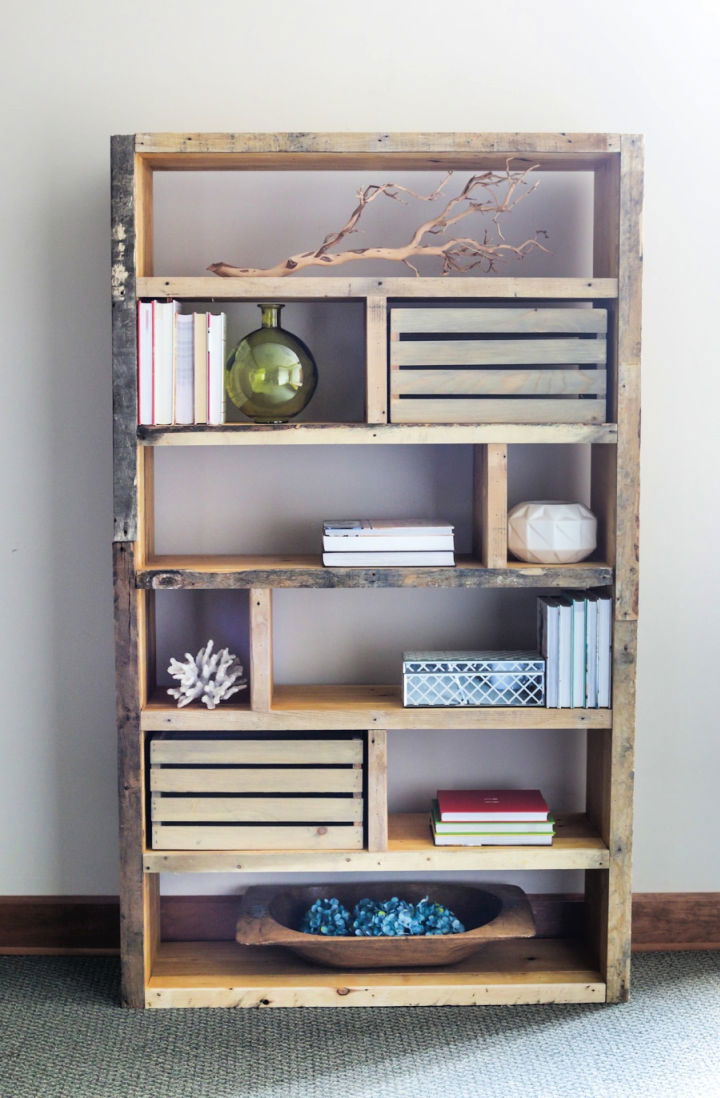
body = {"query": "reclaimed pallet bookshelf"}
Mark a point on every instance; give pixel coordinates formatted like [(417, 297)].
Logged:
[(159, 973)]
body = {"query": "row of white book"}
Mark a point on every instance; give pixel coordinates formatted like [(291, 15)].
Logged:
[(181, 365), (575, 637), (358, 543)]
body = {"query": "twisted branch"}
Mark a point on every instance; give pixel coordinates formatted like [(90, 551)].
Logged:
[(495, 193)]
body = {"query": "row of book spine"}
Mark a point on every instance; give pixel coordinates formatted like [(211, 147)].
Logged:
[(575, 637), (491, 817), (181, 365)]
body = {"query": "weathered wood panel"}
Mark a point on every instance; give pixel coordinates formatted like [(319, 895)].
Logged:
[(450, 380), (377, 790), (452, 410), (124, 339), (272, 837), (225, 573), (384, 434), (376, 383), (257, 779), (265, 752)]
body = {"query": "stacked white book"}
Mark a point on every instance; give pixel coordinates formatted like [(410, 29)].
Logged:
[(181, 365), (575, 637), (388, 543)]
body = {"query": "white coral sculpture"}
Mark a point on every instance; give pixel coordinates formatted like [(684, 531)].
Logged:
[(209, 677)]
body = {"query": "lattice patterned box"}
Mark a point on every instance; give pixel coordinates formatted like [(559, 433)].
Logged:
[(473, 678)]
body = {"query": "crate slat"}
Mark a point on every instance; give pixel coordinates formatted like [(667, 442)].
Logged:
[(257, 809), (459, 320), (498, 352), (482, 410), (257, 752), (271, 837), (500, 382), (249, 780)]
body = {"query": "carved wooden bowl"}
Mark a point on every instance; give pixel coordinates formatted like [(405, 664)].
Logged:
[(270, 917)]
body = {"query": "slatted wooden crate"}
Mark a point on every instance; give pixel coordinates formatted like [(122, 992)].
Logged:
[(497, 365), (244, 793)]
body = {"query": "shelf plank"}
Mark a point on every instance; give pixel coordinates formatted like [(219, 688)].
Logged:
[(187, 572), (225, 974), (357, 707), (309, 288), (410, 850), (376, 434)]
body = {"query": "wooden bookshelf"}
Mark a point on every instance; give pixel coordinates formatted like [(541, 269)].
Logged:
[(597, 842)]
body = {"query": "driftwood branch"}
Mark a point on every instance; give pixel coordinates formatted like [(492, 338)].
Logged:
[(495, 193)]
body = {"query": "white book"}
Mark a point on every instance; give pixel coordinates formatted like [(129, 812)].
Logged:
[(387, 528), (217, 327), (163, 313), (378, 544), (145, 362), (604, 651), (183, 368), (549, 645), (200, 367), (565, 653), (578, 649), (388, 560), (591, 650), (492, 840)]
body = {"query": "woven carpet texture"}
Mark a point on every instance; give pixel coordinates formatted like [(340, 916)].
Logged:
[(63, 1035)]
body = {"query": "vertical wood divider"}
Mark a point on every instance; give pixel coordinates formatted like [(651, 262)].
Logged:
[(144, 208), (377, 800), (490, 504), (261, 653), (376, 366)]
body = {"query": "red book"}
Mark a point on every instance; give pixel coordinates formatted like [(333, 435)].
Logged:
[(491, 804)]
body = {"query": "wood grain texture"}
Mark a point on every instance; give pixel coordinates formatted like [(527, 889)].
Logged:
[(451, 410), (376, 383), (362, 434), (314, 837), (497, 352), (265, 752), (256, 779), (133, 888), (124, 336), (350, 708), (199, 809), (410, 848), (377, 790), (490, 505), (261, 649), (450, 380), (628, 375), (226, 974), (225, 573), (541, 319), (309, 288)]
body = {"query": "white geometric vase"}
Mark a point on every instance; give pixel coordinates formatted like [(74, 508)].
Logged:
[(550, 532)]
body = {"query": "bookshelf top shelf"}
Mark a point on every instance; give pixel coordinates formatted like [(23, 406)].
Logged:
[(308, 288)]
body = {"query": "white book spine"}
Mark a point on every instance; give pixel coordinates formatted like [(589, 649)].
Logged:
[(216, 367), (163, 359), (591, 651), (389, 560), (604, 652), (548, 644), (565, 656), (183, 368), (145, 362), (578, 651)]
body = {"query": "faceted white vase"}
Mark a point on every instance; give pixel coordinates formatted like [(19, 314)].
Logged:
[(548, 532)]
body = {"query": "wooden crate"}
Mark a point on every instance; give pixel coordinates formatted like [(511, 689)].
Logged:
[(252, 793), (497, 365)]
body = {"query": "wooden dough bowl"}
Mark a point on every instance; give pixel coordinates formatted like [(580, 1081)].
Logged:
[(270, 917)]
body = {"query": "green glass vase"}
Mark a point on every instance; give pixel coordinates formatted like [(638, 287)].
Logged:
[(271, 375)]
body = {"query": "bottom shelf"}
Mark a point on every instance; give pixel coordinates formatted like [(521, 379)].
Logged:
[(224, 974)]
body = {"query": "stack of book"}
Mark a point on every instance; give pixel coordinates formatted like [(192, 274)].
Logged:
[(358, 543), (181, 365), (491, 817), (575, 637)]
